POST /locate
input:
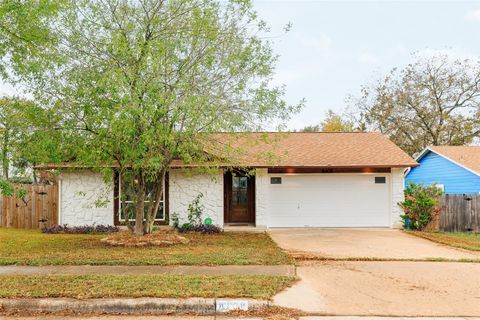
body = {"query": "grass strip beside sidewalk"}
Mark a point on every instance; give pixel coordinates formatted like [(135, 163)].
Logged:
[(462, 240), (136, 286)]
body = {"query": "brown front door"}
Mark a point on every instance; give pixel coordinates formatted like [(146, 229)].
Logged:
[(239, 198)]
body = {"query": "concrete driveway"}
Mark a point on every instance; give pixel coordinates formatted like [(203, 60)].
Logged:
[(386, 288), (363, 243)]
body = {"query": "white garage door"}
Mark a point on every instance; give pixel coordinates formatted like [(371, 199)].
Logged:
[(329, 200)]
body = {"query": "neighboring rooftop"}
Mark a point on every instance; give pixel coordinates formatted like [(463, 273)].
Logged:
[(467, 156)]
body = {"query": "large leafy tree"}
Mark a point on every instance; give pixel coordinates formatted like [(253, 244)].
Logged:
[(23, 143), (140, 83), (434, 101)]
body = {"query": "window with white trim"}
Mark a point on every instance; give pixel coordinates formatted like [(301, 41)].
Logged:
[(126, 196), (440, 186)]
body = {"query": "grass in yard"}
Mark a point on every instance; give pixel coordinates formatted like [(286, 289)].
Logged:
[(463, 240), (135, 286), (31, 247)]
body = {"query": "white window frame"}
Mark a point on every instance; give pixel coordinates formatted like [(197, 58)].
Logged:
[(162, 203), (440, 186)]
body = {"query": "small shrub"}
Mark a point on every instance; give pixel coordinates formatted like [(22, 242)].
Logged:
[(420, 205), (95, 229), (195, 210), (194, 216), (175, 220)]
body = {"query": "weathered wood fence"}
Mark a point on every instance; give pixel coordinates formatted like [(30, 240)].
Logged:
[(459, 213), (38, 209)]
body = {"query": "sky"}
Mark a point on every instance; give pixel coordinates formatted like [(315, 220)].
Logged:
[(335, 47)]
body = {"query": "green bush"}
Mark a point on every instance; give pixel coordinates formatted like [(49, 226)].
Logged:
[(420, 205)]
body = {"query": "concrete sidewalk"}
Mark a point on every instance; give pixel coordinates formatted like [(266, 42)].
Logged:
[(273, 270)]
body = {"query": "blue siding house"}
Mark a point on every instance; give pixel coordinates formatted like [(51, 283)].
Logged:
[(455, 169)]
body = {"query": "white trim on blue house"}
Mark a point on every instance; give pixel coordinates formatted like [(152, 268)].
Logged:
[(429, 149)]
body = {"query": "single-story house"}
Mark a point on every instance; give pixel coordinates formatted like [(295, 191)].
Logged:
[(317, 180), (455, 169)]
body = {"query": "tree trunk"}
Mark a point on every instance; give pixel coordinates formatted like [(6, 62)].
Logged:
[(5, 164), (154, 204), (123, 182), (140, 205)]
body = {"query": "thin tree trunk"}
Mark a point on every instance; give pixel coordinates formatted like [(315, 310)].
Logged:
[(123, 182), (140, 205)]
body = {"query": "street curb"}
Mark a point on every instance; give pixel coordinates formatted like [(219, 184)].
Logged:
[(197, 306)]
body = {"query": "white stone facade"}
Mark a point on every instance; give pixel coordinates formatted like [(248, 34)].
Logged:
[(184, 187), (398, 195), (262, 184), (85, 199)]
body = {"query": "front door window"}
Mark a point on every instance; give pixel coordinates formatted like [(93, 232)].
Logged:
[(239, 198), (239, 191)]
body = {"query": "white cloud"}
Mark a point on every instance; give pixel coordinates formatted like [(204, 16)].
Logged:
[(399, 49), (312, 55), (473, 15), (320, 43), (297, 72), (367, 57)]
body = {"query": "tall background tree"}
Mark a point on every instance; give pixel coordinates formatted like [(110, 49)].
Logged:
[(333, 122), (22, 142), (433, 101), (140, 83)]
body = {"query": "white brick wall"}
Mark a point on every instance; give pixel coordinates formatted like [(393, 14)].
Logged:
[(397, 196), (261, 197), (85, 199), (183, 188)]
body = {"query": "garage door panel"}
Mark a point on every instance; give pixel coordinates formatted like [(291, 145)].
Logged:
[(329, 201)]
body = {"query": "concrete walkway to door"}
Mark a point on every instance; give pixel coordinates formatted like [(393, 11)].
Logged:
[(382, 244)]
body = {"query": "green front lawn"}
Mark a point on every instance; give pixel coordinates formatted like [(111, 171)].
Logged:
[(134, 286), (31, 247), (463, 240)]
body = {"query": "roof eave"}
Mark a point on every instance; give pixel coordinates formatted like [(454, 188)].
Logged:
[(177, 166)]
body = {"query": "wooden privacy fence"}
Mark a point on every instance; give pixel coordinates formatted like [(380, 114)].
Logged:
[(459, 213), (38, 209)]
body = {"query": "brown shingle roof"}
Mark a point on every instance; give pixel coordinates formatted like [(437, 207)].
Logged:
[(311, 149), (300, 149), (467, 156)]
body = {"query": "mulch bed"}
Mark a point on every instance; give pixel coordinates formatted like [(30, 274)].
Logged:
[(157, 238)]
